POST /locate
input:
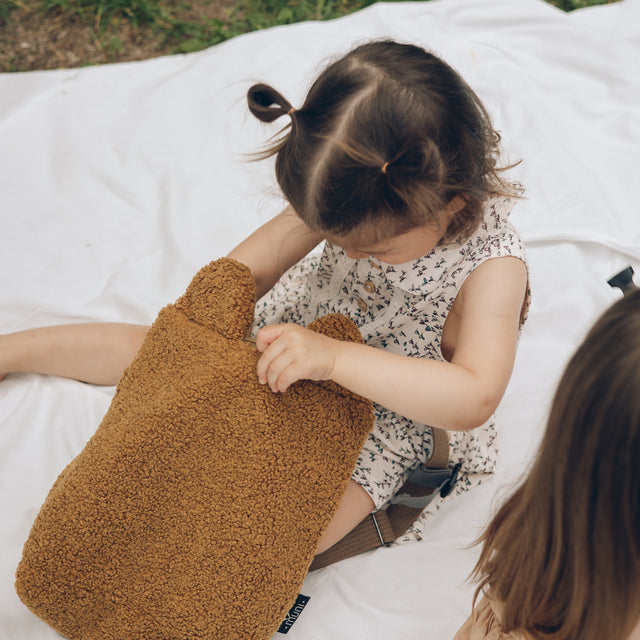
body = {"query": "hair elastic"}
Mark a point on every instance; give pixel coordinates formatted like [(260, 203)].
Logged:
[(291, 111), (383, 168)]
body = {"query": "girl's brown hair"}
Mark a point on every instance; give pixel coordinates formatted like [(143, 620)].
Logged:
[(562, 555), (387, 134)]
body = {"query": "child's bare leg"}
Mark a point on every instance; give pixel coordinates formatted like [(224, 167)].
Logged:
[(356, 505), (96, 353)]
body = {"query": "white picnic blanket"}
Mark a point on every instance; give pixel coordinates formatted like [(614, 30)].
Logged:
[(118, 182)]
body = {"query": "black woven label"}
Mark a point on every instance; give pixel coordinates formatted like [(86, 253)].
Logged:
[(294, 613)]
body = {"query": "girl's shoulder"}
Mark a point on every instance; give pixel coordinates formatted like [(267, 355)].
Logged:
[(495, 236), (496, 212)]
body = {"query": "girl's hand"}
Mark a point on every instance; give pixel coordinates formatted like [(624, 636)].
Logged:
[(291, 352)]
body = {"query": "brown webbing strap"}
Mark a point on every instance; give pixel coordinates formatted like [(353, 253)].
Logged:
[(439, 458), (383, 527)]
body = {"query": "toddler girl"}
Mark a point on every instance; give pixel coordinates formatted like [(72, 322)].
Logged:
[(561, 558), (392, 161)]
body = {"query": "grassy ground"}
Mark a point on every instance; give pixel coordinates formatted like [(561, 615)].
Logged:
[(46, 34)]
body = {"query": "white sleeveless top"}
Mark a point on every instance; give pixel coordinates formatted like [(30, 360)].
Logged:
[(400, 308)]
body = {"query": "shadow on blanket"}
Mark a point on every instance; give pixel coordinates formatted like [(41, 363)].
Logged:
[(195, 509)]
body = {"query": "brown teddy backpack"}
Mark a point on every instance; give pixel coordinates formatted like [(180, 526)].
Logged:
[(195, 509)]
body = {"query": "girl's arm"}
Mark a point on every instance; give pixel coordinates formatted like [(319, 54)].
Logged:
[(274, 247), (458, 395)]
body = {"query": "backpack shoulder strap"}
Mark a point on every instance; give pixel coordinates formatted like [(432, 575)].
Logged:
[(381, 528)]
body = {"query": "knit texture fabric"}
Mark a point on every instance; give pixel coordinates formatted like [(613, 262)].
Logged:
[(195, 509)]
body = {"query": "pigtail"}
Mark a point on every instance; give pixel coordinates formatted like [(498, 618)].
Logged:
[(419, 160), (413, 180), (369, 175), (267, 104), (416, 177)]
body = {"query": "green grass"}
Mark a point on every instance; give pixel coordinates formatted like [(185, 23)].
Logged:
[(253, 15), (6, 7), (164, 17)]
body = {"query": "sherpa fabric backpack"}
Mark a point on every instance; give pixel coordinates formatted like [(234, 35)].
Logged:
[(195, 509)]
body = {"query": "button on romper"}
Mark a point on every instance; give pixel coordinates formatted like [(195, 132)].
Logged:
[(400, 308)]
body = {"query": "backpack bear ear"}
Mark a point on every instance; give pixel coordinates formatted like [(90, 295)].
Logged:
[(335, 325), (221, 296)]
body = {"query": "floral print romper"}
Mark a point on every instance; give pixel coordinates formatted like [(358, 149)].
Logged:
[(401, 308)]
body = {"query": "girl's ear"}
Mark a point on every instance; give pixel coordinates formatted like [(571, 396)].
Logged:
[(455, 205), (451, 211), (221, 296)]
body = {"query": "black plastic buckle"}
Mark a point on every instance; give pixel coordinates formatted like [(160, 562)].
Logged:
[(448, 485), (623, 280)]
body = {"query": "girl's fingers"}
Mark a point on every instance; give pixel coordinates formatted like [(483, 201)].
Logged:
[(267, 335), (269, 355), (291, 353), (284, 379), (279, 372)]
